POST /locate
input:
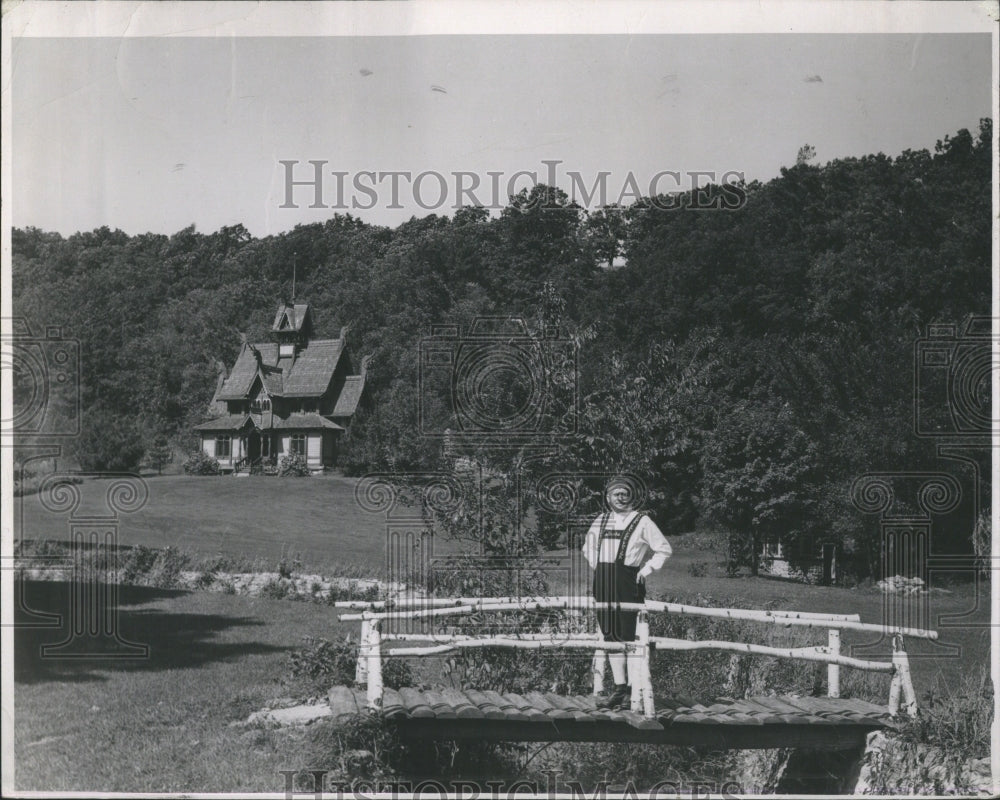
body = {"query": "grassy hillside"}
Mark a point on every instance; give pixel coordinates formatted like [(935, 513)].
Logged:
[(319, 521), (255, 516)]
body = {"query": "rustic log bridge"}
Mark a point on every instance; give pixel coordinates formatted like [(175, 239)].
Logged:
[(800, 619), (560, 601), (638, 653), (821, 654)]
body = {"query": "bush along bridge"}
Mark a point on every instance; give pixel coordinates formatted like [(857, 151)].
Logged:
[(830, 723)]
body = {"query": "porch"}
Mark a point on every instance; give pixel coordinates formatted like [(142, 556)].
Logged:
[(250, 449)]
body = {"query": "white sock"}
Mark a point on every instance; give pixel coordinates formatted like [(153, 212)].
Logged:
[(633, 670), (617, 661)]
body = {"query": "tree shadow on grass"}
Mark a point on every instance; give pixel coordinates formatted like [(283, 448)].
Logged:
[(174, 640)]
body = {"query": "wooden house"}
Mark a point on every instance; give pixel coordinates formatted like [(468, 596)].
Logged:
[(294, 395), (807, 561)]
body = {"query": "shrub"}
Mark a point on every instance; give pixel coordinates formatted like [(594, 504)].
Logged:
[(698, 569), (200, 463), (956, 718), (166, 570), (138, 563), (358, 747), (352, 591), (327, 664), (277, 588), (289, 564), (293, 467), (39, 551), (31, 484), (205, 579)]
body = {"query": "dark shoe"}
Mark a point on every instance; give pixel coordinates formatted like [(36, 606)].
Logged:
[(625, 704), (614, 700)]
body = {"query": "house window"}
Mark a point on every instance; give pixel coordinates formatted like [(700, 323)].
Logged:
[(223, 446), (260, 403), (297, 446)]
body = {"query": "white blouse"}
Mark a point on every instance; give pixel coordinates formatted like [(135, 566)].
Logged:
[(646, 542)]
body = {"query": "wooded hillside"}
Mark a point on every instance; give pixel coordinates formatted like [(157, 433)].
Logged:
[(751, 363)]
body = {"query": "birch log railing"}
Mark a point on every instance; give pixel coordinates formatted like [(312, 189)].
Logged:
[(373, 614)]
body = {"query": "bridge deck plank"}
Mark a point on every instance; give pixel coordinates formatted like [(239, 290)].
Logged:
[(564, 703), (800, 714), (461, 705), (507, 706), (734, 710), (541, 702), (526, 707), (489, 709), (779, 714), (442, 708), (756, 722), (392, 704), (817, 710), (416, 704)]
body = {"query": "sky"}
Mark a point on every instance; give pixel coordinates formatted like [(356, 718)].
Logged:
[(155, 134)]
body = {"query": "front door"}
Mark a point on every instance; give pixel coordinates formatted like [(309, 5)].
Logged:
[(253, 446)]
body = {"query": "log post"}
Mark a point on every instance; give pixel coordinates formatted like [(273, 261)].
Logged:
[(361, 671), (598, 670), (895, 687), (648, 706), (902, 682), (374, 667), (833, 670), (638, 669), (909, 695)]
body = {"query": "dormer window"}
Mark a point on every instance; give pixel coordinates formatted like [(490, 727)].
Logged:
[(260, 403)]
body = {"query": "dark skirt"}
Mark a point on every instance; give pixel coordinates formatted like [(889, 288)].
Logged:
[(616, 583)]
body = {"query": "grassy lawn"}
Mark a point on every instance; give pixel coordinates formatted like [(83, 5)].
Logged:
[(162, 724), (254, 516)]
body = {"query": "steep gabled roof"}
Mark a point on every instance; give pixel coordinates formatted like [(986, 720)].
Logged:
[(307, 375), (273, 381), (312, 371), (229, 422), (298, 420), (302, 420), (237, 385), (350, 396), (290, 317)]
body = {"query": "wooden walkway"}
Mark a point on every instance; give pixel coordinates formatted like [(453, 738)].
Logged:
[(756, 722)]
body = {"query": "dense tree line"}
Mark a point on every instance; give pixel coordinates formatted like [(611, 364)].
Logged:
[(750, 362)]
